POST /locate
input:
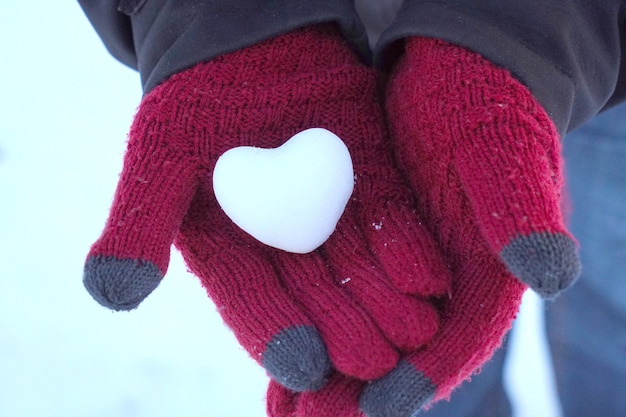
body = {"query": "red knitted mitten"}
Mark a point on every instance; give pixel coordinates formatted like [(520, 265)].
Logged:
[(484, 159), (339, 398), (295, 314)]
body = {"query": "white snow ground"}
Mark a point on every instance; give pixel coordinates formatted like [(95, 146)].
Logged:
[(65, 108)]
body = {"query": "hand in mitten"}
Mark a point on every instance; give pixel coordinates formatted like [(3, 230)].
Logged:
[(354, 303), (484, 159)]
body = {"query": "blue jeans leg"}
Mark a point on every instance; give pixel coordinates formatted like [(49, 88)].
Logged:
[(586, 325)]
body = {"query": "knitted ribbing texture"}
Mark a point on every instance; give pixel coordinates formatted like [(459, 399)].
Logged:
[(355, 303)]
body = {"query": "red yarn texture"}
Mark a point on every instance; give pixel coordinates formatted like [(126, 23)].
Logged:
[(366, 290), (484, 160)]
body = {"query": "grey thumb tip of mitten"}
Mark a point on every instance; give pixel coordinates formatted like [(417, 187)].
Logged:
[(120, 284), (547, 262)]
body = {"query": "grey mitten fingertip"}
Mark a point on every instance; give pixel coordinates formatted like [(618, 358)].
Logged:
[(120, 284), (547, 262)]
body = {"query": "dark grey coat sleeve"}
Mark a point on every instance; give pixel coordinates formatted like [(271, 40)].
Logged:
[(114, 29), (569, 53), (162, 37)]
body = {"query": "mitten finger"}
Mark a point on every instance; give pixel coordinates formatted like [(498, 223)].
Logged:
[(407, 321), (355, 344), (280, 401), (339, 398), (515, 193), (154, 191), (483, 305), (512, 174), (393, 230), (519, 215), (405, 249), (252, 300)]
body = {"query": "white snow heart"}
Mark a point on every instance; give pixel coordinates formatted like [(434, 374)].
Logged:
[(290, 197)]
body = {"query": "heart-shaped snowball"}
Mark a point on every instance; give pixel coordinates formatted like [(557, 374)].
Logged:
[(290, 197)]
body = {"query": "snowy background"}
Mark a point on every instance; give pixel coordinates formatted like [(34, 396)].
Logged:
[(65, 108)]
